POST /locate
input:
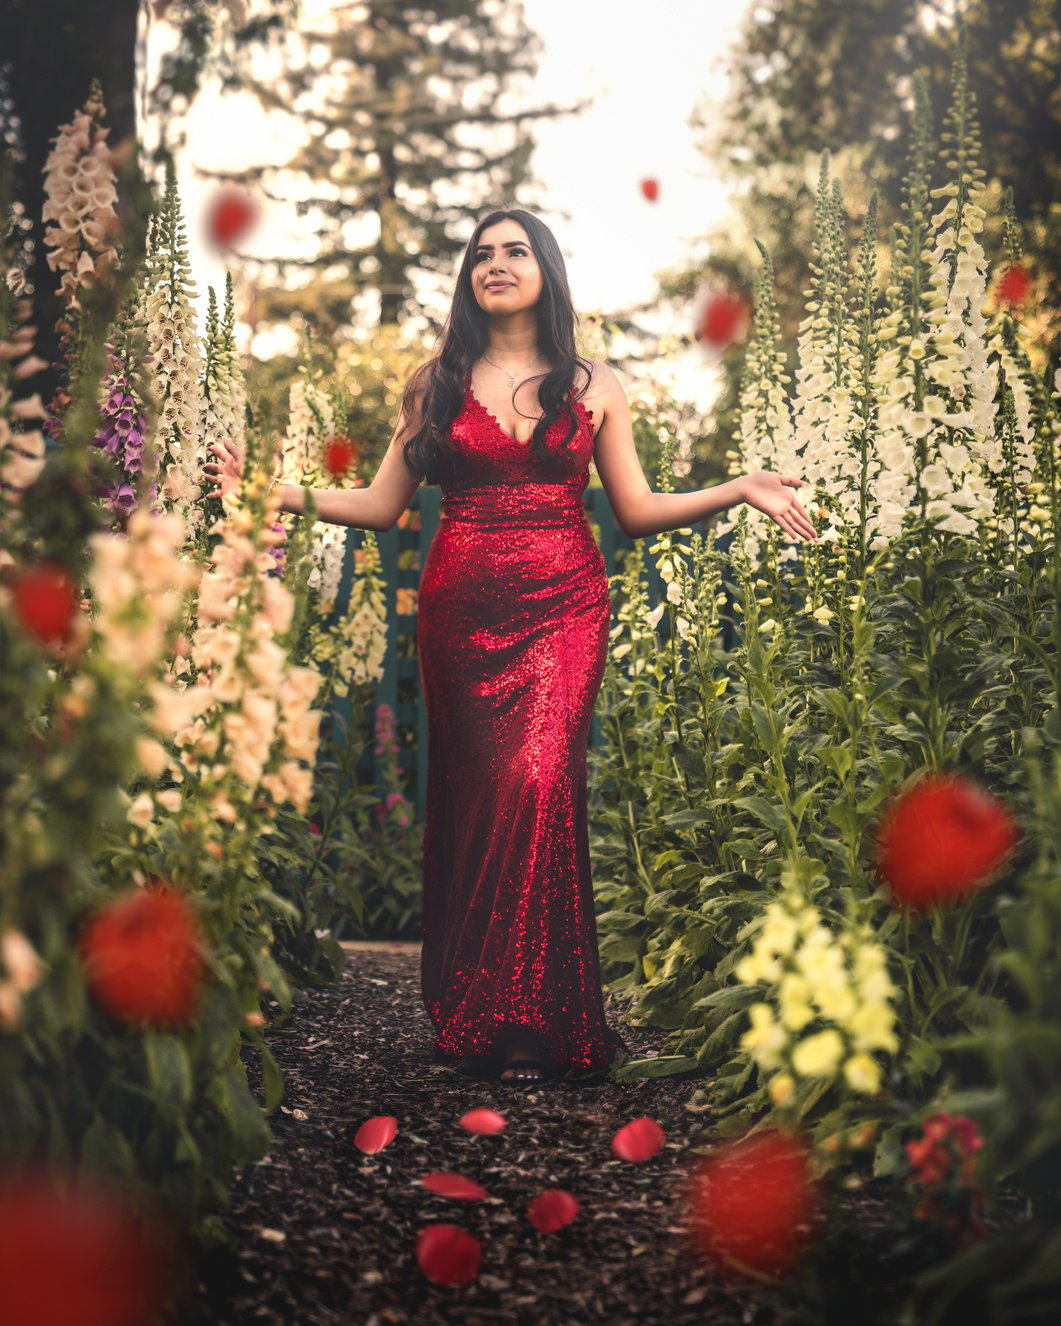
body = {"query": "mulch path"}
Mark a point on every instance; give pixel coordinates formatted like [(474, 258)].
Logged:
[(326, 1233)]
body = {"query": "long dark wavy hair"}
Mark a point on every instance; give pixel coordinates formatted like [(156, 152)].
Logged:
[(465, 336)]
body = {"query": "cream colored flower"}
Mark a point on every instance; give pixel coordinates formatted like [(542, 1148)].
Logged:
[(151, 756), (766, 1040), (142, 811), (863, 1074), (21, 960), (794, 996), (782, 1088), (818, 1055)]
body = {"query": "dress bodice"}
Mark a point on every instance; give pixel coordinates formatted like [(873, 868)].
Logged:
[(485, 455)]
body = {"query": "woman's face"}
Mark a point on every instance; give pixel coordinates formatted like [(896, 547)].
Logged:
[(506, 277)]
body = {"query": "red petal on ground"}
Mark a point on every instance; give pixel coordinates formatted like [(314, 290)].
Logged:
[(482, 1121), (552, 1209), (448, 1255), (374, 1134), (939, 839), (650, 188), (447, 1184), (640, 1139)]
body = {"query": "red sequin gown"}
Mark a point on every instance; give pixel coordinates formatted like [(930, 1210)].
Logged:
[(512, 630)]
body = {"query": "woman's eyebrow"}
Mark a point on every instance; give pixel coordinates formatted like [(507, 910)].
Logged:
[(508, 244)]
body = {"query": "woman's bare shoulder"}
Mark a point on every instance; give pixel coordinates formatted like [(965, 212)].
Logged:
[(604, 382)]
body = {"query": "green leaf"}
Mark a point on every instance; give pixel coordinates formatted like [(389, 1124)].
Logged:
[(769, 813), (169, 1071), (663, 1065), (105, 1150), (272, 1078), (889, 1153), (246, 1122)]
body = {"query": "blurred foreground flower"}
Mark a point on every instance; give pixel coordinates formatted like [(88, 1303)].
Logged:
[(143, 958), (340, 455), (754, 1204), (80, 1253), (940, 838), (230, 215), (46, 601), (650, 189), (1014, 285), (721, 319)]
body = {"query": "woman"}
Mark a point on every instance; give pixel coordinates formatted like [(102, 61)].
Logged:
[(512, 629)]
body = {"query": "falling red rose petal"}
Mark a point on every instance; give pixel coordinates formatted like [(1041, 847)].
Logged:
[(143, 957), (753, 1204), (650, 188), (80, 1254), (46, 601), (482, 1121), (552, 1210), (231, 214), (454, 1185), (448, 1255), (721, 320), (939, 839), (1015, 284), (374, 1134), (638, 1140), (339, 455)]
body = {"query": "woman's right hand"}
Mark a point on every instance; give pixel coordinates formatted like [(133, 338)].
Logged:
[(228, 472)]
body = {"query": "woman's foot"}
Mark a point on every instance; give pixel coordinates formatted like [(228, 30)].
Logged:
[(524, 1064), (524, 1071)]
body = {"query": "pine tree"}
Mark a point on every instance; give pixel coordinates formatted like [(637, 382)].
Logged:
[(419, 138)]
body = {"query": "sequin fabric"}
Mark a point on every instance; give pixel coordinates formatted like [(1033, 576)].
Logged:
[(512, 630)]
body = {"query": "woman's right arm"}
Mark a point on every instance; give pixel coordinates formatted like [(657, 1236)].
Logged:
[(376, 507)]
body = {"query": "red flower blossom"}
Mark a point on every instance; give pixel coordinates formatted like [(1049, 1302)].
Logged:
[(640, 1139), (753, 1204), (448, 1255), (552, 1210), (143, 957), (650, 189), (943, 1163), (340, 453), (939, 839), (80, 1254), (1014, 285), (721, 319), (46, 602), (230, 216), (374, 1134)]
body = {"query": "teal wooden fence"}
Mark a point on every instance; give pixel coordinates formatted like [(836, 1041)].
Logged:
[(403, 553)]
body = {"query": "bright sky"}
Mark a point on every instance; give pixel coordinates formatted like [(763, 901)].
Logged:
[(645, 63)]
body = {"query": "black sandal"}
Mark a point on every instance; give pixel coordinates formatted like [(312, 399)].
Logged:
[(542, 1072)]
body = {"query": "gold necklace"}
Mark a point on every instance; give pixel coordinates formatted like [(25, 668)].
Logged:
[(511, 379)]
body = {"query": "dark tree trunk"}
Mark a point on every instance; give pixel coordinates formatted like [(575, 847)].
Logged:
[(53, 50)]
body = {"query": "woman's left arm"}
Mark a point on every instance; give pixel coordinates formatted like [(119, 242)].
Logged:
[(640, 511)]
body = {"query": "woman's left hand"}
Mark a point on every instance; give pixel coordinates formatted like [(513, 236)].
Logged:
[(771, 493)]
